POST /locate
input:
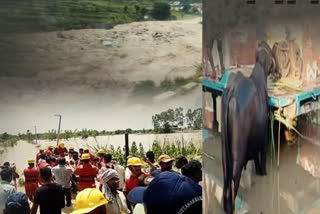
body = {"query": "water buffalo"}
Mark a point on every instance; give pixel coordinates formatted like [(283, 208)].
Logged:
[(244, 123)]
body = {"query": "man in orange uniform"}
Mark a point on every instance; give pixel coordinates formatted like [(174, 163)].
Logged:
[(32, 177), (138, 177), (61, 151), (101, 158), (92, 156), (86, 173), (41, 150), (49, 152)]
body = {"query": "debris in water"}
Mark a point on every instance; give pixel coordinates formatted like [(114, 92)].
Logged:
[(109, 43)]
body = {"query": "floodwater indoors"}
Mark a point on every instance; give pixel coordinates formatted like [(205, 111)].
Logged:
[(294, 187)]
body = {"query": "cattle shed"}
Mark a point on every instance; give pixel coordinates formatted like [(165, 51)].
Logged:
[(287, 96)]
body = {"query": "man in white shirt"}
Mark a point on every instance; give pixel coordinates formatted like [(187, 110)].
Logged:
[(62, 174)]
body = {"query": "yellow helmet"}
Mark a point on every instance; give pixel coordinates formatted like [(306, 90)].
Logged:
[(85, 156), (86, 149), (88, 200), (31, 161), (101, 151), (41, 149), (61, 144), (134, 162), (50, 147), (71, 147)]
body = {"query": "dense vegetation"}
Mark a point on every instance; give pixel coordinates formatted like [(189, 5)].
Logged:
[(148, 87), (8, 140), (34, 15), (173, 149)]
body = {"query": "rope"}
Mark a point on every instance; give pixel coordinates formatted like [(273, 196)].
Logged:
[(209, 156), (290, 126)]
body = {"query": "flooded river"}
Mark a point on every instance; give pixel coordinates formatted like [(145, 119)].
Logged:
[(23, 150), (293, 188)]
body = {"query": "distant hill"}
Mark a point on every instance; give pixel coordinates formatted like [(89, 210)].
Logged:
[(39, 15)]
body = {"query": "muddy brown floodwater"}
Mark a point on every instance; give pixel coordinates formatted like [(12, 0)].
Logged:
[(293, 188)]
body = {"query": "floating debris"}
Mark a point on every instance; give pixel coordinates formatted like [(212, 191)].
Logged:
[(109, 43)]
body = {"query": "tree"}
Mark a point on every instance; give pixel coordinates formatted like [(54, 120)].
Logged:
[(189, 118), (134, 149), (179, 116), (125, 9), (166, 128), (137, 9), (94, 133), (197, 118), (29, 136), (141, 150), (129, 131), (161, 11), (194, 118), (186, 8), (84, 134), (68, 134), (5, 136), (156, 122), (156, 148), (163, 121)]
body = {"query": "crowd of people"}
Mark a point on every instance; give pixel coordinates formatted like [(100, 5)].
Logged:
[(101, 185)]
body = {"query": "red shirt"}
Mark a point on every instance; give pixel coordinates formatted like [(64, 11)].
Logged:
[(87, 174), (49, 153), (132, 182), (43, 164), (60, 151), (31, 175), (38, 157), (101, 162)]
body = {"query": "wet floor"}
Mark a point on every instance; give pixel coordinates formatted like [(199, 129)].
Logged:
[(294, 187)]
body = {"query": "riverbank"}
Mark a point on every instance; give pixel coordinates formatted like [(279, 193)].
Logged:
[(23, 150)]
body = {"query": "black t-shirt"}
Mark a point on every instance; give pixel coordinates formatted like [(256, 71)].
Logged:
[(50, 197)]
